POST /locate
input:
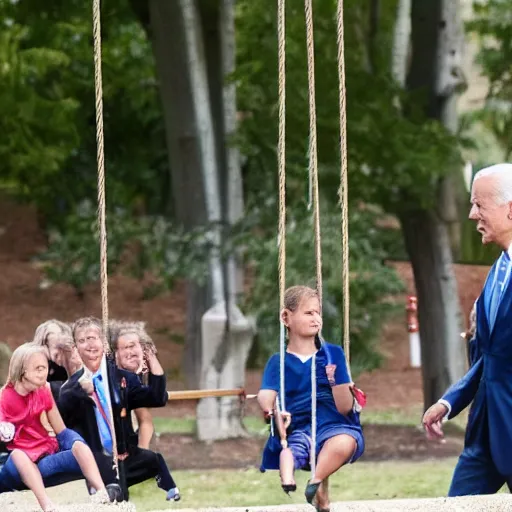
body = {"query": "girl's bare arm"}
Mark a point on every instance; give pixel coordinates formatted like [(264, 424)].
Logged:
[(343, 398), (146, 428), (266, 399)]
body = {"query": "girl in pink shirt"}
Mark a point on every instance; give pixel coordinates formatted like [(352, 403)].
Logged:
[(42, 446)]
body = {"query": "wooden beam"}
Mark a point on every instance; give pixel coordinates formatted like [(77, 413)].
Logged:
[(195, 394)]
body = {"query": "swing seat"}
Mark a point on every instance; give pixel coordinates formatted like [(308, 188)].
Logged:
[(58, 479)]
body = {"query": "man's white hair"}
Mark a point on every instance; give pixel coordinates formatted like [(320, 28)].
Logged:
[(502, 182)]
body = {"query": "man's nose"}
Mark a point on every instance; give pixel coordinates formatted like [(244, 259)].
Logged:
[(473, 213)]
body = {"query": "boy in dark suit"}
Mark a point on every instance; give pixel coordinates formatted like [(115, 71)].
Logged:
[(98, 399)]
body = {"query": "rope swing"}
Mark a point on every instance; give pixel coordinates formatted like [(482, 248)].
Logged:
[(343, 190), (314, 201), (102, 225)]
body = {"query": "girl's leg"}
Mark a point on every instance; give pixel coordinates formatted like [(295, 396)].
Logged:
[(87, 463), (322, 496), (336, 452), (286, 470), (74, 451), (32, 478)]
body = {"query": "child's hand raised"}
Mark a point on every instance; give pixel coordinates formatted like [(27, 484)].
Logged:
[(87, 384), (7, 431)]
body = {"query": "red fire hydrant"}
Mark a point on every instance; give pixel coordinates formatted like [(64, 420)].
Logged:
[(413, 328)]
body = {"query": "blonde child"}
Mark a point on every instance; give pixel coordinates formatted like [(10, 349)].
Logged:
[(42, 446), (339, 438)]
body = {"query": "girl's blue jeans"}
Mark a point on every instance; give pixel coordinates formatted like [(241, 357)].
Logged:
[(61, 462)]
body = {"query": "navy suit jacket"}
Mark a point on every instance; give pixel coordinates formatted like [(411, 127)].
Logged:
[(78, 409), (488, 383)]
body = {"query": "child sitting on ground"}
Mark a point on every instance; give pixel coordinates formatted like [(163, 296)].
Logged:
[(41, 446), (339, 437)]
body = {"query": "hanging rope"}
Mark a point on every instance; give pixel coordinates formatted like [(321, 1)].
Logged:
[(281, 164), (313, 158), (101, 165), (343, 191), (313, 175), (96, 16)]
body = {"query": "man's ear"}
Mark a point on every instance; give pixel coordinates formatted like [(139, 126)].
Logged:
[(509, 215)]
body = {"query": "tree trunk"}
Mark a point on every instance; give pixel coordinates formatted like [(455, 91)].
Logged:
[(194, 50), (184, 152), (435, 35), (442, 352), (197, 69), (227, 333)]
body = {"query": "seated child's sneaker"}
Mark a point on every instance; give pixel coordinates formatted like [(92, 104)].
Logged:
[(173, 494)]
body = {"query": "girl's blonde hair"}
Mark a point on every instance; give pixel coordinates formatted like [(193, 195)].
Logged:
[(19, 360), (294, 295), (45, 329)]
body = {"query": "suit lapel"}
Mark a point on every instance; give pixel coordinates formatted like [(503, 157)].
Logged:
[(504, 305), (481, 317), (483, 306), (112, 385)]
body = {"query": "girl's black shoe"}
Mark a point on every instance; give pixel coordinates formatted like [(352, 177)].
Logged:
[(311, 490), (288, 488)]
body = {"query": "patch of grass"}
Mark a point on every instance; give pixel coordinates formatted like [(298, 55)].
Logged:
[(187, 425), (410, 416), (362, 481)]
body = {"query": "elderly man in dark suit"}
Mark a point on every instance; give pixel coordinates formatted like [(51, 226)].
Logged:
[(486, 461)]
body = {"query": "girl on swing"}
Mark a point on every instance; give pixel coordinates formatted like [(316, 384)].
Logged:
[(339, 438), (40, 445)]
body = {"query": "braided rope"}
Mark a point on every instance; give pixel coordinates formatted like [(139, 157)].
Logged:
[(281, 164), (312, 460), (313, 158), (96, 15), (100, 157), (343, 190), (313, 180)]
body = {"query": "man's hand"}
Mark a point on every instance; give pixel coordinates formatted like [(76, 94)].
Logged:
[(432, 421)]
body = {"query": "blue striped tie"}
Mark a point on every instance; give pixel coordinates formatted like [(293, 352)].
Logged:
[(102, 411), (500, 284)]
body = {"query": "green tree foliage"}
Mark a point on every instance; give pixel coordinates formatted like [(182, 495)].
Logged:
[(32, 149), (49, 118), (489, 129), (493, 26), (394, 161)]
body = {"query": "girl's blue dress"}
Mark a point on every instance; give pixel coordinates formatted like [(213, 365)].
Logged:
[(330, 422)]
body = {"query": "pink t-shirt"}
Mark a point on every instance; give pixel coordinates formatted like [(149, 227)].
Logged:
[(24, 412)]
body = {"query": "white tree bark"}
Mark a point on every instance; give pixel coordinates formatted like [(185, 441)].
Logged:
[(234, 174), (451, 81), (401, 42), (204, 124), (224, 351)]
